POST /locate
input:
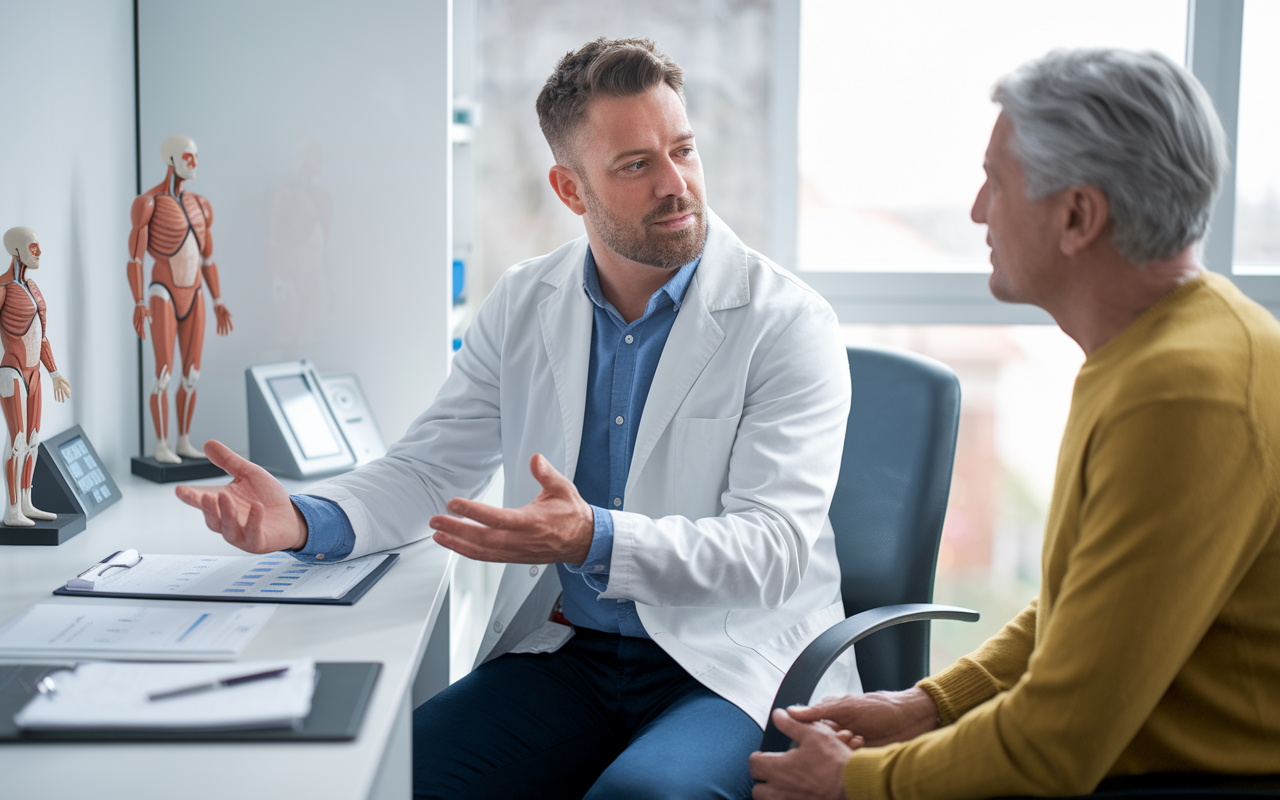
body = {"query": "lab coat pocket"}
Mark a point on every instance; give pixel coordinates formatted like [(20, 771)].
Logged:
[(701, 449)]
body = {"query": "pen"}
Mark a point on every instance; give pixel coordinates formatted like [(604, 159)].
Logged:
[(106, 560), (218, 684)]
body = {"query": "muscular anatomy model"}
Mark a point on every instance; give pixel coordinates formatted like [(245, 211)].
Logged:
[(22, 324), (173, 226)]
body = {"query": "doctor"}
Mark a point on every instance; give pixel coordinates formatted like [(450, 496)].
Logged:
[(669, 409)]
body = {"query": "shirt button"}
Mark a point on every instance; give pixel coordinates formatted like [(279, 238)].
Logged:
[(617, 501), (618, 420), (320, 556), (497, 627), (533, 571), (630, 338)]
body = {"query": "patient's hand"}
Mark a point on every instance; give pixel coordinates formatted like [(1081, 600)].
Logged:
[(879, 718)]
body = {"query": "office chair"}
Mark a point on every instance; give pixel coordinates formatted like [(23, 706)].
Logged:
[(887, 513)]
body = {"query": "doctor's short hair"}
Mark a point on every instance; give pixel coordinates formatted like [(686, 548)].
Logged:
[(611, 67), (1136, 125)]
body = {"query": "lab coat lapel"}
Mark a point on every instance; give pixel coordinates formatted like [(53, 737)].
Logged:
[(567, 318), (720, 282)]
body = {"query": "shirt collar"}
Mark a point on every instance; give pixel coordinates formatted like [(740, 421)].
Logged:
[(673, 288)]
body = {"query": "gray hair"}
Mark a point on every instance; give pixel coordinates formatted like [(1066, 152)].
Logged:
[(1137, 126)]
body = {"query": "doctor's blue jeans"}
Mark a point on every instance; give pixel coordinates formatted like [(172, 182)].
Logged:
[(605, 716)]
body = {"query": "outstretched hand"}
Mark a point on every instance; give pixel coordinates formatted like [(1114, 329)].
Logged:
[(555, 527), (880, 718), (253, 512), (814, 769)]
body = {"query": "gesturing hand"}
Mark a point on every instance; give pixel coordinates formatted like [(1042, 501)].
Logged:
[(555, 527), (880, 718), (815, 769), (253, 512)]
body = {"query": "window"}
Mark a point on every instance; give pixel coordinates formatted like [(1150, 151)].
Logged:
[(894, 114), (1257, 224)]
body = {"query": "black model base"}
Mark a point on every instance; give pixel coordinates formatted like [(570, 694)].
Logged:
[(49, 533), (190, 469)]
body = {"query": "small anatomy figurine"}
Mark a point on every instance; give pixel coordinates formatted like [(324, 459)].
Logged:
[(22, 324), (173, 226)]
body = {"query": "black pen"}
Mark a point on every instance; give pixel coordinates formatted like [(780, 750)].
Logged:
[(218, 684)]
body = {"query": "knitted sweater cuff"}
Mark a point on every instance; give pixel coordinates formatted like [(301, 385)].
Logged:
[(863, 775), (958, 688)]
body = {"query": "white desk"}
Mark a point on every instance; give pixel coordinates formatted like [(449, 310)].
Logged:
[(391, 624)]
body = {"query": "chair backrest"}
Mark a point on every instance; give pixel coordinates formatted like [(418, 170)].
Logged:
[(891, 499)]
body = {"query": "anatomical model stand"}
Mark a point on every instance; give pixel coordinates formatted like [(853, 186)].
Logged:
[(173, 226), (22, 325)]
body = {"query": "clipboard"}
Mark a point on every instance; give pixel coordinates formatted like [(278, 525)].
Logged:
[(337, 709), (350, 598)]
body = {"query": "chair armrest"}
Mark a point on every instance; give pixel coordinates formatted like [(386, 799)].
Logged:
[(809, 667)]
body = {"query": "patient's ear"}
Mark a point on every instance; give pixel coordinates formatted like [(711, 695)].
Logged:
[(1086, 215)]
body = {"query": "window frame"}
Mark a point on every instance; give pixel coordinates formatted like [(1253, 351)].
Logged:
[(1214, 35)]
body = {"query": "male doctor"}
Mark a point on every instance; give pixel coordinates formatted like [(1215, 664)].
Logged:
[(669, 409)]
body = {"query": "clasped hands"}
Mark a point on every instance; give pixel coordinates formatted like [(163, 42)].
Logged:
[(254, 513), (828, 732)]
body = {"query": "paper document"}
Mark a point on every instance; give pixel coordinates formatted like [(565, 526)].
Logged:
[(116, 697), (133, 633), (270, 576)]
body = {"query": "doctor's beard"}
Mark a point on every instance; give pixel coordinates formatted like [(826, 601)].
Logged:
[(646, 244)]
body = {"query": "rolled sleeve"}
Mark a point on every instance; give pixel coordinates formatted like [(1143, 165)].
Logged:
[(595, 569), (330, 536)]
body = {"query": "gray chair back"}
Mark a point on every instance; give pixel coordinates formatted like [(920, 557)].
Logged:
[(891, 499)]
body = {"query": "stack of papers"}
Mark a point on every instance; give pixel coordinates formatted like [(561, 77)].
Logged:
[(117, 697), (136, 633)]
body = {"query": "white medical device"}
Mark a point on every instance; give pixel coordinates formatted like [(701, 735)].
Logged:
[(292, 429)]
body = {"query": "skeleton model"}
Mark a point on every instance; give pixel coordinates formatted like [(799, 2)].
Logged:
[(173, 226), (22, 324)]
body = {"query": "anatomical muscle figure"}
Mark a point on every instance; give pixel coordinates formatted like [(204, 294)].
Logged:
[(22, 326), (173, 226)]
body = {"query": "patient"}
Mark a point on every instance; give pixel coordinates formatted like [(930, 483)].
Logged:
[(1154, 644)]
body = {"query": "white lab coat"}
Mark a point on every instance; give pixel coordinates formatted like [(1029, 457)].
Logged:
[(723, 541)]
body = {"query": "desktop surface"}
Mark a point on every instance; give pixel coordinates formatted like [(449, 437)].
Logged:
[(391, 624)]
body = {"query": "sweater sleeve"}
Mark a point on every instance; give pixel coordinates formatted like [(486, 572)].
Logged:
[(1177, 504), (993, 668)]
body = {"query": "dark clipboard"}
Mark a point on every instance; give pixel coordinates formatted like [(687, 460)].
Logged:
[(337, 708), (348, 599)]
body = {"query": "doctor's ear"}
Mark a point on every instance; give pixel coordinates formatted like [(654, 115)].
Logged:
[(568, 187)]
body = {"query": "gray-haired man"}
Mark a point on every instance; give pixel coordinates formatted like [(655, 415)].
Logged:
[(1154, 644)]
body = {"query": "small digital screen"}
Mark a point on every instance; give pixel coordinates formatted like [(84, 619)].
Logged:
[(85, 471), (306, 419)]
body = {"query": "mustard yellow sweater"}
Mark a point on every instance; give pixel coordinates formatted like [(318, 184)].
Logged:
[(1154, 644)]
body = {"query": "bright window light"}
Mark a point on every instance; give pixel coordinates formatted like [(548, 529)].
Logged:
[(1257, 245), (895, 114)]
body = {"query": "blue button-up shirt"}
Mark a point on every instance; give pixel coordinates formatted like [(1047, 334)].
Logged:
[(624, 359)]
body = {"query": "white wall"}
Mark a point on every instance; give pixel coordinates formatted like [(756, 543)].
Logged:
[(367, 85), (67, 170)]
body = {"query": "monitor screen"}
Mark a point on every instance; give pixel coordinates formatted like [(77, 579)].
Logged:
[(302, 410), (87, 473)]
